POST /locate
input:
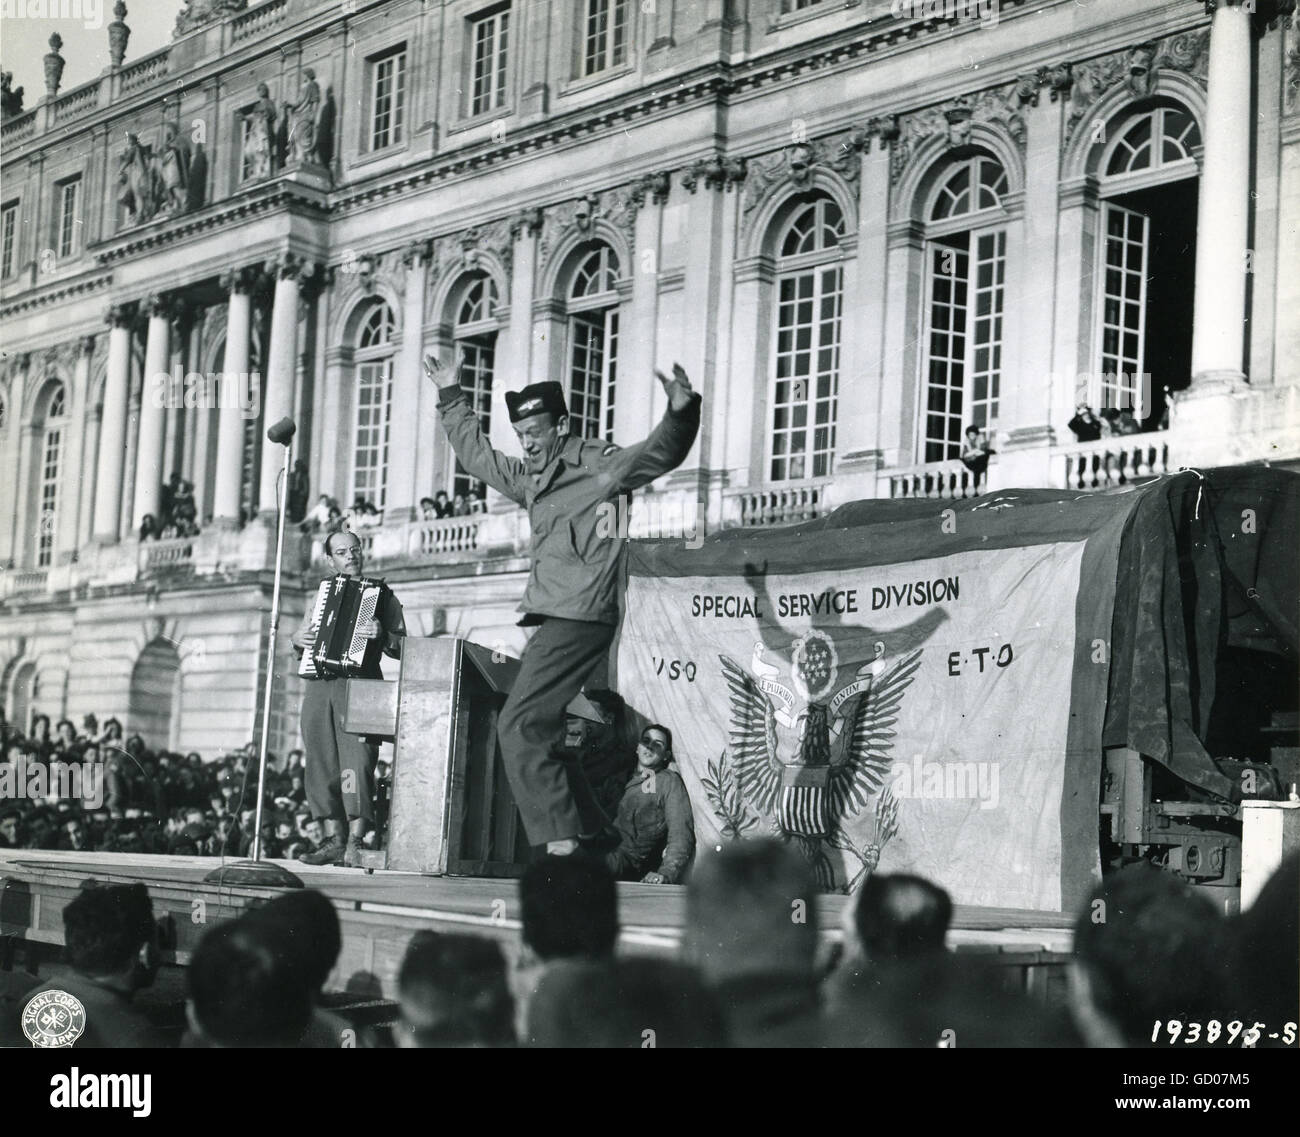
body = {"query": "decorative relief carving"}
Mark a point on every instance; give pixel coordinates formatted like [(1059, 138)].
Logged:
[(954, 120), (797, 164), (1136, 68)]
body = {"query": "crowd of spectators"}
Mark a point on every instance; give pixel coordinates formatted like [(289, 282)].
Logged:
[(137, 799), (752, 970), (459, 505)]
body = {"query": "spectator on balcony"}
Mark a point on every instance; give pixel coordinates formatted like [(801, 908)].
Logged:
[(298, 493), (66, 739), (150, 530), (319, 515), (1085, 424), (442, 503), (428, 509), (459, 506), (1110, 422), (975, 453), (1127, 424)]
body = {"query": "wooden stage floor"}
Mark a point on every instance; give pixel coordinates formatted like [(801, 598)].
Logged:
[(380, 911)]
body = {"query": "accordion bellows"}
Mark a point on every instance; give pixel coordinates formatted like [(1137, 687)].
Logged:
[(341, 604)]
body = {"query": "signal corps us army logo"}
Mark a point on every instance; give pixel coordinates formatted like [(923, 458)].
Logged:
[(54, 1019)]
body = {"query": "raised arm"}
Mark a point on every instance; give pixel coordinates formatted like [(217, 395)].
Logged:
[(465, 434), (666, 447)]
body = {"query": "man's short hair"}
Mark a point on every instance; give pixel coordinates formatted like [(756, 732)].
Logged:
[(337, 533), (624, 1003), (105, 926), (1149, 945), (900, 917), (569, 908), (458, 983), (310, 925), (245, 992), (751, 908)]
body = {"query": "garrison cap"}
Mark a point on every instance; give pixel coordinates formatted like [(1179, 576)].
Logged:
[(536, 399)]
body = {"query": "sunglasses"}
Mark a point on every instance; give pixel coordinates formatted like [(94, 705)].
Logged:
[(655, 744)]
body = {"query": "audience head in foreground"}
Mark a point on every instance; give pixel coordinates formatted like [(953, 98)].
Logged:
[(453, 992)]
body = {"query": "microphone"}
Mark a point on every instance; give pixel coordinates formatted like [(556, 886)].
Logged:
[(282, 431)]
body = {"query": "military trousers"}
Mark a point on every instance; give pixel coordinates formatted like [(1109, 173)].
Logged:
[(558, 660)]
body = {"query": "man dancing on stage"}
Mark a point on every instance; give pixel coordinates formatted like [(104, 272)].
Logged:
[(340, 766), (572, 592)]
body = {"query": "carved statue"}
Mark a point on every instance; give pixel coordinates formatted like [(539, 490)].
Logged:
[(136, 177), (196, 13), (259, 136), (175, 159), (11, 101), (305, 112)]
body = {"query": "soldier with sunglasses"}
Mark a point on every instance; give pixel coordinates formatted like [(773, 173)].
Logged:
[(655, 829)]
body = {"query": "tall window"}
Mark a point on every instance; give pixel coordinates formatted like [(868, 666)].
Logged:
[(797, 5), (593, 344), (1148, 261), (8, 239), (604, 35), (489, 36), (374, 392), (805, 390), (387, 99), (51, 461), (69, 216), (476, 337), (966, 260)]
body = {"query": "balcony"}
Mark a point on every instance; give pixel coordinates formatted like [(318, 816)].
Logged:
[(948, 480), (755, 506), (1109, 462), (448, 540)]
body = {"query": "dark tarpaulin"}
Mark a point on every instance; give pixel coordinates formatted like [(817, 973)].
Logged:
[(1209, 561)]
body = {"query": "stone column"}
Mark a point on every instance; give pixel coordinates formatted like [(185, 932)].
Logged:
[(76, 484), (402, 494), (27, 515), (231, 388), (857, 452), (291, 272), (10, 448), (89, 450), (905, 268), (635, 408), (1025, 410), (112, 429), (1218, 319), (154, 390)]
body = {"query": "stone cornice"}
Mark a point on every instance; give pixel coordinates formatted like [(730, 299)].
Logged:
[(264, 199), (86, 284)]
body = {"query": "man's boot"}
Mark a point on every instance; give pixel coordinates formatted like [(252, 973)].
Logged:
[(331, 852), (352, 852)]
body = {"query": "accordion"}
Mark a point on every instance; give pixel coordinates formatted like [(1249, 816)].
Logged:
[(341, 604)]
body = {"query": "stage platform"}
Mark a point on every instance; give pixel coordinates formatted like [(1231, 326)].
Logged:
[(380, 911)]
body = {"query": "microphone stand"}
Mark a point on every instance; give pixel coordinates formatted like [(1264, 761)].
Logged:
[(256, 872)]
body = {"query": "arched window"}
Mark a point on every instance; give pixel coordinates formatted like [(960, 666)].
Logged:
[(966, 251), (373, 401), (805, 384), (592, 309), (1147, 264), (54, 428), (476, 337)]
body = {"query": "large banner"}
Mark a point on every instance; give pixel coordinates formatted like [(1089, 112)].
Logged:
[(917, 716)]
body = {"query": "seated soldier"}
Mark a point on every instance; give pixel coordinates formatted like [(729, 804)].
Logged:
[(596, 758), (655, 829), (110, 953)]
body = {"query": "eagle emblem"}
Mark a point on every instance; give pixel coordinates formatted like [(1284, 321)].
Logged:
[(841, 761)]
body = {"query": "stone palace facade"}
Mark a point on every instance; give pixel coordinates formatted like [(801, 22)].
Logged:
[(861, 226)]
